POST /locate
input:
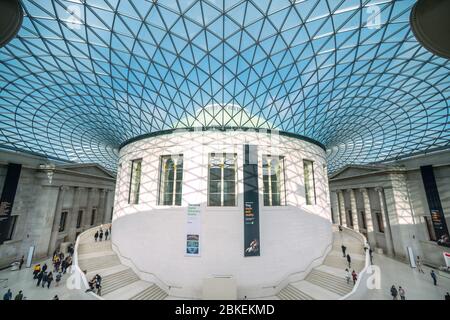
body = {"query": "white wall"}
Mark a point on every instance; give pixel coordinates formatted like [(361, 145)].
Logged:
[(153, 236)]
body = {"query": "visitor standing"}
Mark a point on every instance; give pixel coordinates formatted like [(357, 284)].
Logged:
[(106, 234), (96, 236), (419, 264), (402, 293), (394, 292), (101, 235), (8, 295), (347, 276), (22, 260), (19, 296), (354, 276), (434, 277), (49, 280), (349, 260), (371, 255), (343, 250)]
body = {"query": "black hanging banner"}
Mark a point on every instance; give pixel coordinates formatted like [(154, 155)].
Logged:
[(251, 202), (7, 198), (435, 206)]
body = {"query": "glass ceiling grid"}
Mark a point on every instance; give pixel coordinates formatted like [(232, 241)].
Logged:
[(82, 77)]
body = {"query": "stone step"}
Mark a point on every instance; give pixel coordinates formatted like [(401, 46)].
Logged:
[(117, 280), (314, 291), (329, 282), (97, 263), (292, 293), (94, 247), (151, 293), (128, 291)]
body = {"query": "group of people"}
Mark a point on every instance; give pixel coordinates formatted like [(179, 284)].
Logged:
[(400, 292), (60, 266), (98, 236), (8, 295), (353, 275), (95, 284)]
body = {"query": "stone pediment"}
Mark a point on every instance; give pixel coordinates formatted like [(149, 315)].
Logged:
[(356, 170), (91, 169)]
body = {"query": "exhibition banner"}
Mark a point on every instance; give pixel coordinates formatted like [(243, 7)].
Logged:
[(7, 198), (251, 202), (435, 206), (193, 230)]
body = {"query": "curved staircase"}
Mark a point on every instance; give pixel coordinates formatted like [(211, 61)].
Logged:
[(119, 282), (327, 281)]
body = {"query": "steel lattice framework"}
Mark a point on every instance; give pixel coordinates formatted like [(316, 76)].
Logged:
[(84, 76)]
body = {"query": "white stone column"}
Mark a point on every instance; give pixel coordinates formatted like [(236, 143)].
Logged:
[(341, 206), (101, 206), (72, 219), (87, 220), (353, 209), (368, 216), (387, 229), (56, 219)]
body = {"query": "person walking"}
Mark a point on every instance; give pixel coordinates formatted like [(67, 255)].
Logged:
[(371, 255), (49, 280), (434, 277), (419, 264), (347, 276), (354, 276), (58, 278), (101, 235), (22, 260), (36, 270), (19, 296), (343, 250), (39, 277), (349, 260), (44, 267), (402, 293), (44, 279), (96, 236), (394, 292), (106, 234), (7, 295)]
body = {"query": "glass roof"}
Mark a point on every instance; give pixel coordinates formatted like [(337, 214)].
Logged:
[(84, 76)]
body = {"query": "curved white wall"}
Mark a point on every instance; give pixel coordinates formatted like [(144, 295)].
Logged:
[(153, 236)]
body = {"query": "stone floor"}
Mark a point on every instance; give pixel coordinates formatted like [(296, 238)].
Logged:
[(23, 280), (417, 286)]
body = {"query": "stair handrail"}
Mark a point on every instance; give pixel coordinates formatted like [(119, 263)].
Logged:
[(75, 266), (366, 262)]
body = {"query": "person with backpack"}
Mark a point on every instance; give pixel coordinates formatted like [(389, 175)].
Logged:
[(58, 278), (394, 292)]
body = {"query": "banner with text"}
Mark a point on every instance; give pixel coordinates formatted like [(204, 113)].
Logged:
[(193, 230), (7, 199), (251, 202)]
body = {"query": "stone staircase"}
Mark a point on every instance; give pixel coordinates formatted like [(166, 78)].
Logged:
[(328, 281), (119, 282)]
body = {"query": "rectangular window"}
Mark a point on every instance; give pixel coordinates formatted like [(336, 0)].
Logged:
[(310, 188), (62, 221), (79, 218), (430, 229), (94, 212), (135, 181), (363, 219), (222, 179), (11, 228), (273, 180), (170, 180), (380, 222)]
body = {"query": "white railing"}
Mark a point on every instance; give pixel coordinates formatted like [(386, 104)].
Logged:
[(76, 270), (363, 272)]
